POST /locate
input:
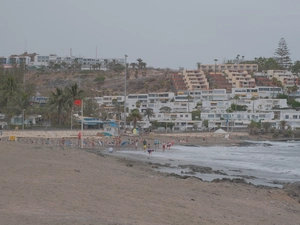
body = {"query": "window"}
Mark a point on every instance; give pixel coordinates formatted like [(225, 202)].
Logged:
[(295, 117), (286, 116)]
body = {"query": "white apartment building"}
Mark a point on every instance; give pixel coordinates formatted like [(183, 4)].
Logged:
[(292, 117), (202, 95), (259, 105), (109, 100), (257, 92), (162, 97), (244, 93), (215, 106), (43, 60), (269, 92), (234, 120)]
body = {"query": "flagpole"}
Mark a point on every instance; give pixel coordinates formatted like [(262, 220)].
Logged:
[(82, 123)]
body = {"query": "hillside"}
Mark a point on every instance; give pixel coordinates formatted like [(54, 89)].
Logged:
[(138, 81)]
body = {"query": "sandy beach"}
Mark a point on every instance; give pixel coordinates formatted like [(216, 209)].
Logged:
[(204, 139), (43, 184)]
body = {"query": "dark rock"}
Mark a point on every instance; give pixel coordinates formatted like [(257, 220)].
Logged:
[(191, 173), (236, 180), (202, 169), (182, 177), (292, 189)]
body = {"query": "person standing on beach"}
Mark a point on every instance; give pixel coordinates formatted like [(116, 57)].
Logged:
[(144, 144), (149, 150), (136, 144), (155, 143), (79, 139)]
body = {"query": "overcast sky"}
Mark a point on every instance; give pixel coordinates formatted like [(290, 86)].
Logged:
[(164, 33)]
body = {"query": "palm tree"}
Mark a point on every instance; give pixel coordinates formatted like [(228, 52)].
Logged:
[(9, 89), (140, 61), (165, 109), (71, 94), (252, 127), (134, 116), (274, 83), (266, 126), (143, 65), (149, 113), (188, 98), (99, 65), (133, 65), (105, 63), (282, 124), (291, 90), (138, 104), (56, 102), (51, 65), (199, 65)]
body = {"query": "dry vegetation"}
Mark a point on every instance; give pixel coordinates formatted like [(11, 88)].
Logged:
[(138, 81)]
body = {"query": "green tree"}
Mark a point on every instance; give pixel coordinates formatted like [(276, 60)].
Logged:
[(266, 64), (149, 113), (72, 94), (134, 116), (100, 79), (282, 54), (133, 65), (291, 90), (205, 123), (296, 67), (165, 109), (138, 104), (199, 65), (91, 108), (196, 115), (56, 103), (282, 124), (266, 126), (253, 127), (140, 61), (9, 89)]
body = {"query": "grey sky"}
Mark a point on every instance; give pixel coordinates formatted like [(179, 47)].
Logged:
[(164, 33)]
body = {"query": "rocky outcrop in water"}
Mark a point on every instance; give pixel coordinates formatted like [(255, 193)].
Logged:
[(293, 189), (202, 169)]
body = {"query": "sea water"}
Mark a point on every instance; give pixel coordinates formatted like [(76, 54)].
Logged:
[(261, 163)]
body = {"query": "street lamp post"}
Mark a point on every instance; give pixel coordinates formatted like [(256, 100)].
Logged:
[(125, 93), (23, 112), (215, 65)]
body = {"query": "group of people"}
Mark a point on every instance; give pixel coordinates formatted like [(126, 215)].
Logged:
[(147, 147)]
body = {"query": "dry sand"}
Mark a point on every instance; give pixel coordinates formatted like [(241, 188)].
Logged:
[(42, 184)]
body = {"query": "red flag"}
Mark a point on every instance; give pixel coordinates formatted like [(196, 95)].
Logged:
[(77, 102)]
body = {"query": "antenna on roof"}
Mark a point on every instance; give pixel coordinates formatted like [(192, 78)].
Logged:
[(96, 51), (70, 52), (25, 45)]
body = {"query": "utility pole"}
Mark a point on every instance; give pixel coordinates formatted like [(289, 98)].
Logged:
[(215, 66), (24, 69), (125, 93), (23, 116)]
